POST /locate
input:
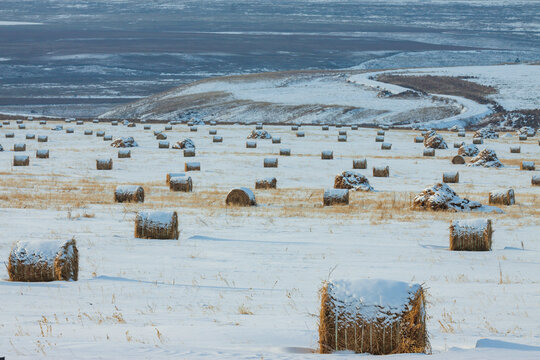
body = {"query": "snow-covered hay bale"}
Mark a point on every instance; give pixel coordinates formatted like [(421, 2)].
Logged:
[(380, 132), (429, 152), (160, 136), (458, 160), (22, 126), (104, 164), (124, 142), (325, 128), (30, 136), (523, 137), (354, 127), (461, 134), (147, 127), (434, 140), (300, 134), (168, 127), (124, 153), (217, 139), (131, 124), (44, 261), (184, 144), (42, 122), (240, 197), (486, 133), (129, 193), (259, 126), (251, 144), (486, 158), (5, 122), (189, 152), (193, 129), (10, 135), (535, 180), (70, 131), (181, 183), (100, 133), (156, 225), (327, 155), (468, 150), (42, 138), (80, 122), (379, 139), (342, 138), (386, 146), (19, 147), (192, 166), (527, 130), (267, 183), (169, 176), (451, 177), (502, 197), (381, 171), (342, 132), (107, 138), (515, 149), (441, 197), (163, 144), (21, 160), (372, 316), (276, 140), (114, 123), (352, 180), (270, 162), (259, 134), (336, 197), (419, 139), (294, 128), (42, 154), (359, 164), (528, 165), (212, 132), (285, 152), (471, 235), (457, 145)]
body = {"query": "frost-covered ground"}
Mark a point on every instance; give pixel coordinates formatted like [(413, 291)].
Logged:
[(243, 283)]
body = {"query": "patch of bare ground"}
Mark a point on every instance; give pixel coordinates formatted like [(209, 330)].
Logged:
[(447, 85)]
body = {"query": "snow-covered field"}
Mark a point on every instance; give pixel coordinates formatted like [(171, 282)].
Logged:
[(242, 283)]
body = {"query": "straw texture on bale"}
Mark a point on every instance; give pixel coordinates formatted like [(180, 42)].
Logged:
[(259, 134), (342, 138), (342, 132), (124, 153), (523, 137), (212, 132), (381, 171), (19, 147), (386, 146), (359, 164), (468, 150), (457, 145), (30, 136), (181, 183), (379, 139), (124, 142), (192, 166), (276, 140), (156, 225), (104, 164), (419, 139), (251, 144), (100, 133), (327, 155), (44, 261), (161, 136), (502, 197), (477, 141), (300, 134), (515, 149), (434, 140), (189, 152), (486, 158), (366, 316), (240, 197), (268, 183), (336, 197), (285, 152), (42, 154), (470, 235), (21, 160), (129, 193), (270, 163), (184, 144), (352, 180), (107, 138), (458, 160), (42, 138), (10, 135), (163, 144), (441, 197), (429, 152), (528, 165), (217, 139), (451, 177)]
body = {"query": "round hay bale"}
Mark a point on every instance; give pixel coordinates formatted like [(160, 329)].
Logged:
[(385, 127), (51, 260), (114, 123), (21, 160), (336, 197), (535, 180), (270, 162), (502, 197), (527, 165), (100, 133), (267, 183), (160, 136), (251, 144), (68, 120), (192, 166), (380, 132), (212, 132), (42, 138), (5, 123), (515, 149), (419, 139), (294, 128), (259, 126), (42, 154), (163, 144), (429, 152), (285, 152), (22, 127), (359, 164), (19, 147), (104, 164), (107, 138), (300, 134), (342, 138), (10, 135), (168, 127), (190, 152), (457, 145), (458, 160), (276, 140), (19, 121), (80, 122), (386, 146), (470, 235), (193, 129), (379, 139), (240, 197), (327, 155), (70, 131), (181, 183), (381, 171), (131, 124), (523, 137), (461, 134), (124, 153), (147, 127), (325, 128), (342, 132), (217, 139), (156, 225), (30, 136), (477, 141), (354, 127), (129, 193), (451, 177)]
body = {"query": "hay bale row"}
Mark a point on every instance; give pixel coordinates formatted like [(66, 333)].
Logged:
[(156, 225), (502, 197), (129, 193), (471, 235), (240, 197), (267, 183), (50, 260)]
